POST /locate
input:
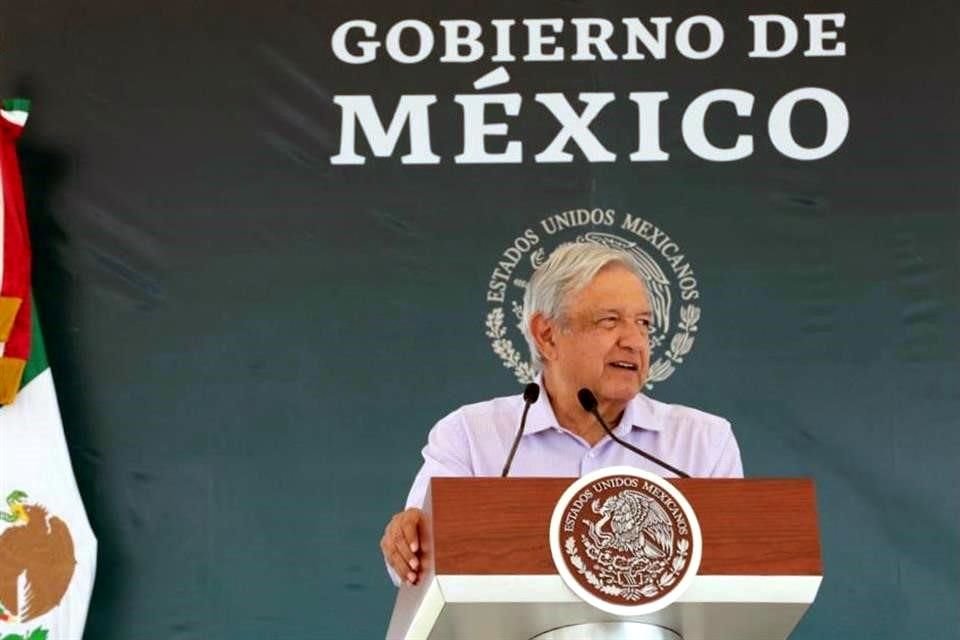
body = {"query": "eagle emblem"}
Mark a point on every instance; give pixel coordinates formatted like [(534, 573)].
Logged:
[(627, 539), (670, 279), (637, 526), (37, 560)]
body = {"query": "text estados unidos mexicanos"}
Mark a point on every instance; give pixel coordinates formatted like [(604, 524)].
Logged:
[(657, 239), (695, 38)]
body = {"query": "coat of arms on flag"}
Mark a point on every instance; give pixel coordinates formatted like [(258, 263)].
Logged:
[(47, 548)]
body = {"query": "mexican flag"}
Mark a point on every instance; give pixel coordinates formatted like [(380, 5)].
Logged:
[(47, 549)]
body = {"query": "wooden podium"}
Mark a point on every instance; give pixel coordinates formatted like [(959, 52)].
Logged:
[(488, 573)]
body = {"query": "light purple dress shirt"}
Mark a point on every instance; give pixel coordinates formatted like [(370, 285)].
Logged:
[(475, 440)]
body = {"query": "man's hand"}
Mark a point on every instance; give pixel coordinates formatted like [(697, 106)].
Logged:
[(401, 544)]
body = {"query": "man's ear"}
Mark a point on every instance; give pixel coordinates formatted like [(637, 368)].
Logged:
[(544, 334)]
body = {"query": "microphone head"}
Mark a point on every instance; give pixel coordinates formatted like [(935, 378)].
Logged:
[(587, 400), (531, 392)]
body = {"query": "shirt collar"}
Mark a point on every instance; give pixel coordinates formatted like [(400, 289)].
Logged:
[(638, 414)]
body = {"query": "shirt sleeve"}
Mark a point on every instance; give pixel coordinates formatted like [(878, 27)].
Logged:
[(728, 463), (447, 454)]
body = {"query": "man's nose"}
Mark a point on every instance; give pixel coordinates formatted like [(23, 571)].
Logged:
[(633, 337)]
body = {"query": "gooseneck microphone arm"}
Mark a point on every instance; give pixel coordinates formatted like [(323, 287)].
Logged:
[(530, 394), (589, 402)]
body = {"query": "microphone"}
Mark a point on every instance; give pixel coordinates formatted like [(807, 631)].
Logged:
[(530, 394), (589, 403)]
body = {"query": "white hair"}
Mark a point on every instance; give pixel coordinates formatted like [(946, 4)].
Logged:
[(565, 273)]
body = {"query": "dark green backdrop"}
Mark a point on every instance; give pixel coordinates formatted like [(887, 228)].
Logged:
[(250, 343)]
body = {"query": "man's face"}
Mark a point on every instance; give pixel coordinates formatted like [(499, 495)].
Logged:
[(604, 342)]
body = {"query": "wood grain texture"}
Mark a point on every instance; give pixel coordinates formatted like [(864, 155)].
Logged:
[(489, 526)]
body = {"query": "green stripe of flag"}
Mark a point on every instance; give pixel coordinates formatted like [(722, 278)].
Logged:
[(16, 104), (37, 362)]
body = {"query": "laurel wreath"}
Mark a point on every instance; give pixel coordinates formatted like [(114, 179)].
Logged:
[(581, 566), (660, 370), (503, 347), (680, 345), (633, 593)]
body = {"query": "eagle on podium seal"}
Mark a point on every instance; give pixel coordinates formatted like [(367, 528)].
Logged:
[(625, 540)]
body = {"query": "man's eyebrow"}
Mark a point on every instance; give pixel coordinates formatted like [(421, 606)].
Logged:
[(647, 312)]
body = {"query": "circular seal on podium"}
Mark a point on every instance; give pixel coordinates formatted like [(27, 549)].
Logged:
[(625, 541)]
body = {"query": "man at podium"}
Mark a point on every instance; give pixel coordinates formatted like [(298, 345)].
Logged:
[(587, 318)]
